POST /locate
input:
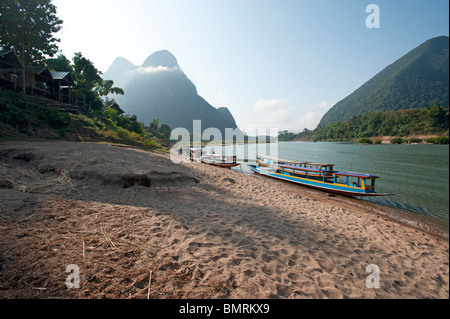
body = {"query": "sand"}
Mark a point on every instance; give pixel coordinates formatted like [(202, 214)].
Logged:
[(120, 213)]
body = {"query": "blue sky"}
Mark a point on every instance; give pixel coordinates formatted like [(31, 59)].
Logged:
[(279, 64)]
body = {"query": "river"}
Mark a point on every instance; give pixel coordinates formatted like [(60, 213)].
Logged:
[(417, 175)]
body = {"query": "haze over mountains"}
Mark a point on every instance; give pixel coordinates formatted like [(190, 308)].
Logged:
[(159, 88), (413, 81)]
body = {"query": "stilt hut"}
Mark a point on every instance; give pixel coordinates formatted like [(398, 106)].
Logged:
[(10, 70), (61, 88)]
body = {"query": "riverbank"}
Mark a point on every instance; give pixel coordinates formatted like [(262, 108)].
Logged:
[(203, 232), (411, 139)]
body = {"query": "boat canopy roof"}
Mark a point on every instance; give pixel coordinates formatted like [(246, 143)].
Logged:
[(279, 160), (287, 162), (351, 174), (318, 164), (316, 170), (298, 168)]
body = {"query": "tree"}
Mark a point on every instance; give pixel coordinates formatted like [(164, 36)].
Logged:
[(159, 131), (86, 77), (86, 74), (165, 131), (28, 27), (60, 63), (154, 127), (90, 84), (437, 113), (106, 87)]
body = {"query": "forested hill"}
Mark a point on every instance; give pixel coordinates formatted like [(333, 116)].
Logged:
[(414, 81), (427, 121)]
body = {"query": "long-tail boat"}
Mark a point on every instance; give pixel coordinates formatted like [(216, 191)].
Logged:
[(219, 160), (319, 176), (268, 161), (197, 155)]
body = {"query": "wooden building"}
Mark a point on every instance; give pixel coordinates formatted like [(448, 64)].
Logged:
[(10, 70), (61, 87), (38, 81)]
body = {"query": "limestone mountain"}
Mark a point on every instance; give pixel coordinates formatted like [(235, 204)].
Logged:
[(159, 88), (120, 72), (413, 81)]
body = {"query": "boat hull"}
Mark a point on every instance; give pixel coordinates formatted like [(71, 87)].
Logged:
[(220, 164), (315, 184)]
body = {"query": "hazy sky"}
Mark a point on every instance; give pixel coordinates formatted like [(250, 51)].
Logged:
[(273, 63)]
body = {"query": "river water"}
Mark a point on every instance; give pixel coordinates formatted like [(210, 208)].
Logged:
[(417, 175)]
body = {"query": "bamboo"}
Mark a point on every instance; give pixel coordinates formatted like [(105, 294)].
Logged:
[(149, 285), (84, 250)]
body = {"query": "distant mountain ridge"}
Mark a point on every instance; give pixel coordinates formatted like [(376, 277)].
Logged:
[(413, 81), (120, 72), (161, 58), (159, 88)]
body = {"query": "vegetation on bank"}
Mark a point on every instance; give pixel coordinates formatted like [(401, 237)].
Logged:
[(412, 140), (30, 117), (35, 24), (432, 120), (416, 140)]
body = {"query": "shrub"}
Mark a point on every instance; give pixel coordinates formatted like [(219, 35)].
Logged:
[(414, 140), (438, 140), (54, 118), (443, 140), (365, 140), (378, 141), (397, 140)]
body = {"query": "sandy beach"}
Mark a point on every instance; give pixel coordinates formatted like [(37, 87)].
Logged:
[(121, 214)]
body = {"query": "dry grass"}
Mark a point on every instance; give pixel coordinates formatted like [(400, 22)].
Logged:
[(33, 181)]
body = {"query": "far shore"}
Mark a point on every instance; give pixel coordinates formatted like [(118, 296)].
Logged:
[(383, 139)]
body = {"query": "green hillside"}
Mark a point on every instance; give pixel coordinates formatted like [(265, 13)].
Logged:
[(25, 117), (414, 81), (430, 122)]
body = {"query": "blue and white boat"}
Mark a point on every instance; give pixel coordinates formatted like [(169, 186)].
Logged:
[(318, 176)]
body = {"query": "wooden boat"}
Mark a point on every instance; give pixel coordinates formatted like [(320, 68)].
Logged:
[(342, 183), (219, 160), (197, 155), (268, 161)]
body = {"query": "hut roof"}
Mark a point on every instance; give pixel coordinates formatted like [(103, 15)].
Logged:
[(39, 70), (64, 77), (9, 59), (116, 107)]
